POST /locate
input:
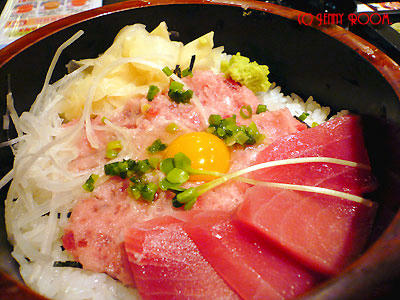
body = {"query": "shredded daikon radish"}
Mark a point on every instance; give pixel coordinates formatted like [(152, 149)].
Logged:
[(6, 121), (6, 178), (11, 142), (69, 77), (13, 113), (35, 106), (50, 229)]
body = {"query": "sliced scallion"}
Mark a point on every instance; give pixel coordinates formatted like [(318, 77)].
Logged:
[(89, 183), (113, 148), (172, 128), (177, 94), (167, 71), (186, 72), (227, 130), (246, 112), (261, 108), (303, 116), (152, 92), (157, 146)]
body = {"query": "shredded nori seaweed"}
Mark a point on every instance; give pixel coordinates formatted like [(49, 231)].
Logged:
[(71, 264)]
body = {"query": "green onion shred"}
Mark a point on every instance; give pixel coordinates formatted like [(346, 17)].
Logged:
[(172, 128), (167, 71), (177, 94), (128, 168), (89, 184), (246, 112), (261, 108), (113, 148), (303, 116), (157, 146), (153, 91), (227, 130)]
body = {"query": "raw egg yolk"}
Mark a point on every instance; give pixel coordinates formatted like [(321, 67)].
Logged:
[(205, 150)]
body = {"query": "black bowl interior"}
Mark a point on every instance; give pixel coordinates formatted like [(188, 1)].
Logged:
[(301, 59)]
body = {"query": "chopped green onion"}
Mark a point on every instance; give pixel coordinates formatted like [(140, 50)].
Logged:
[(220, 132), (114, 145), (154, 161), (246, 112), (303, 116), (135, 192), (113, 148), (172, 128), (261, 108), (143, 167), (177, 94), (167, 71), (314, 124), (111, 153), (175, 86), (143, 189), (177, 176), (153, 91), (227, 130), (89, 184), (187, 72), (241, 137), (149, 191), (103, 119), (157, 146), (118, 168), (214, 120), (127, 167)]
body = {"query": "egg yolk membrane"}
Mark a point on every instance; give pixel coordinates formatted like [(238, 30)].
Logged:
[(206, 152)]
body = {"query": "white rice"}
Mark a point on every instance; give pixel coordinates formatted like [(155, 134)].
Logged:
[(274, 99)]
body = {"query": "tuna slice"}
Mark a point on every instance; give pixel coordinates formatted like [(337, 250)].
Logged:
[(254, 268), (166, 264), (340, 138), (324, 232)]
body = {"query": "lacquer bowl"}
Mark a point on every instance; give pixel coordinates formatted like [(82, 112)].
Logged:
[(336, 67)]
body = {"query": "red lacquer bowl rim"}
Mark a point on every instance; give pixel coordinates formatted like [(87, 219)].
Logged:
[(386, 250)]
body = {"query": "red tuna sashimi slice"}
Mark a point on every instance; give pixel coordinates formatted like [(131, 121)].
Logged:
[(166, 264), (248, 263), (324, 232), (340, 138)]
